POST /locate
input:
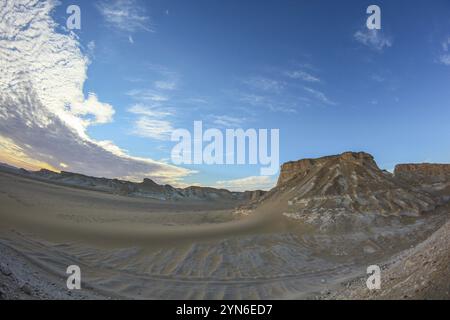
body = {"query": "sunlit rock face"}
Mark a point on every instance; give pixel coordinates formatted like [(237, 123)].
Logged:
[(295, 168)]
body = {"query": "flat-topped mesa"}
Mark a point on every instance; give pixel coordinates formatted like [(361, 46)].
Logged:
[(333, 191), (429, 171), (294, 168), (430, 177)]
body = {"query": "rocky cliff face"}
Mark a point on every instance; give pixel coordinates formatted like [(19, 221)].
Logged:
[(430, 177), (293, 169), (334, 189), (431, 172)]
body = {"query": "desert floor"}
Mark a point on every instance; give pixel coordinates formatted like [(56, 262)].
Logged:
[(136, 248)]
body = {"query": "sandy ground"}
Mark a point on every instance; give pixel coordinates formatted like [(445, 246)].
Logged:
[(422, 272), (147, 249)]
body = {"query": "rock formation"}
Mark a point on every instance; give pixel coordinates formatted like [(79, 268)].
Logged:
[(330, 188), (429, 177), (295, 168)]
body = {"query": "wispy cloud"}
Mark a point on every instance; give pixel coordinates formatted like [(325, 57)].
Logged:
[(90, 50), (274, 104), (166, 84), (228, 121), (446, 44), (302, 75), (169, 79), (125, 15), (266, 91), (140, 109), (147, 95), (278, 89), (319, 96), (444, 57), (151, 121), (377, 77), (148, 127), (252, 99), (153, 115), (373, 39), (264, 84)]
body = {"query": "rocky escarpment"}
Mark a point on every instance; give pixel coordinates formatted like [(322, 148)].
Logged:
[(430, 177), (293, 169), (425, 171), (330, 188)]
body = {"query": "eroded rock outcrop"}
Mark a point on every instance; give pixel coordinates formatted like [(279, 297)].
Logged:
[(423, 172), (333, 189), (430, 177), (292, 169)]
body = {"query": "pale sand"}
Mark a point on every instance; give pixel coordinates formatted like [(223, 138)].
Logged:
[(141, 248)]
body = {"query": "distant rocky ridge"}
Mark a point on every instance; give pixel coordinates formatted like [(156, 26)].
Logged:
[(147, 188)]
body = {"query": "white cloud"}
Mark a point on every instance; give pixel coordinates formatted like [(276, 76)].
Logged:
[(44, 115), (264, 84), (373, 39), (273, 104), (169, 79), (151, 123), (228, 121), (319, 96), (102, 112), (147, 95), (444, 58), (302, 75), (277, 95), (148, 127), (125, 15), (91, 50), (446, 44), (165, 85), (91, 45), (247, 184), (252, 99), (148, 111)]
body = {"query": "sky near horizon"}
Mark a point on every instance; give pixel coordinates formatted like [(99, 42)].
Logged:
[(104, 100)]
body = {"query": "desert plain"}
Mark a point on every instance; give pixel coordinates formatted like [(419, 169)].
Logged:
[(308, 238)]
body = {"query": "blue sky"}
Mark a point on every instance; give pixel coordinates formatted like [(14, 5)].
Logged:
[(309, 68)]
